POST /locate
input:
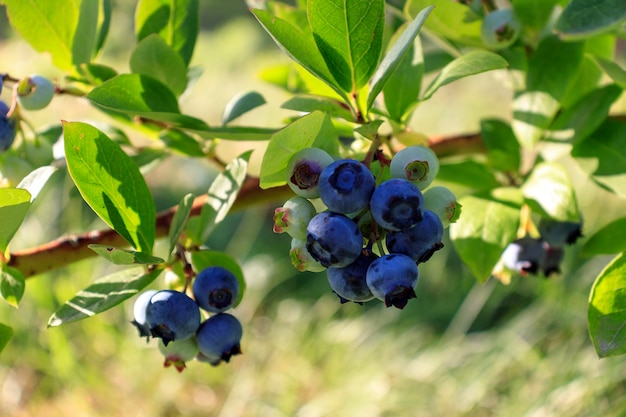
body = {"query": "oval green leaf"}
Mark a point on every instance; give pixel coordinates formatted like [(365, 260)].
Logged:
[(12, 285), (120, 256), (609, 240), (110, 182), (14, 203), (6, 333), (586, 18), (179, 220), (241, 104), (549, 191)]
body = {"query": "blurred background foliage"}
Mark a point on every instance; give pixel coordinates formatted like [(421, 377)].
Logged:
[(460, 349)]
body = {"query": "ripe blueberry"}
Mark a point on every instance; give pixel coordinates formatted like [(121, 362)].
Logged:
[(417, 164), (525, 256), (304, 170), (215, 289), (420, 241), (345, 186), (397, 204), (219, 338), (172, 315), (393, 278), (349, 282), (7, 128), (293, 217), (139, 313), (333, 239), (559, 233), (34, 92)]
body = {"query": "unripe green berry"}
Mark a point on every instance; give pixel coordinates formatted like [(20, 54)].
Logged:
[(304, 170), (34, 92), (441, 201), (500, 29), (293, 217), (178, 352), (302, 259), (418, 164)]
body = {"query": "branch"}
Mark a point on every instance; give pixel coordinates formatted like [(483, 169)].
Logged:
[(73, 248)]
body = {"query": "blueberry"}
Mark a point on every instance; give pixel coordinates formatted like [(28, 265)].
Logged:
[(417, 164), (526, 255), (345, 186), (500, 29), (34, 92), (441, 201), (215, 289), (178, 352), (559, 233), (139, 313), (219, 338), (333, 239), (349, 282), (393, 278), (554, 256), (420, 241), (397, 204), (293, 217), (304, 170), (302, 259), (7, 128), (172, 315)]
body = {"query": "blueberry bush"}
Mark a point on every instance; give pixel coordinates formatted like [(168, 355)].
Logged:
[(365, 196)]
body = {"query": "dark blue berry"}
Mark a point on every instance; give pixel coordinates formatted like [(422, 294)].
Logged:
[(219, 338), (345, 186), (559, 233), (349, 282), (215, 289), (420, 241), (397, 204), (7, 128), (393, 278), (526, 255), (333, 239), (172, 315)]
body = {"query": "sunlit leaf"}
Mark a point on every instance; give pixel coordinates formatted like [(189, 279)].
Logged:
[(103, 294), (110, 182), (349, 35), (120, 256), (154, 57), (36, 180), (549, 190), (607, 309), (179, 220), (6, 333), (12, 285), (14, 203), (609, 240), (241, 104)]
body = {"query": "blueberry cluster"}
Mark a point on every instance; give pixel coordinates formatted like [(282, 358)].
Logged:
[(541, 255), (372, 233), (176, 319)]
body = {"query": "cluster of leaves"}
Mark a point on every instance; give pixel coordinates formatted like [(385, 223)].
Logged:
[(356, 79)]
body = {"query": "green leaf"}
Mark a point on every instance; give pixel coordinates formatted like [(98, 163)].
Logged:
[(241, 104), (54, 31), (586, 18), (176, 21), (503, 152), (468, 173), (552, 70), (314, 130), (532, 14), (450, 19), (181, 142), (205, 258), (549, 191), (134, 94), (14, 203), (586, 115), (179, 220), (104, 25), (332, 107), (611, 239), (607, 309), (349, 35), (6, 333), (602, 156), (120, 256), (36, 180), (402, 87), (12, 285), (155, 58), (84, 39), (472, 63), (297, 45), (236, 133), (221, 196), (610, 68), (482, 233), (111, 184), (103, 294), (96, 74)]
